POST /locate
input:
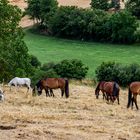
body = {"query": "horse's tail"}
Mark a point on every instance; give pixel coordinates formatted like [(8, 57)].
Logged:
[(129, 97), (115, 89), (67, 88)]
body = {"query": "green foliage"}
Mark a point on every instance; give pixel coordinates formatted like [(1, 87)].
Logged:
[(115, 4), (47, 66), (41, 10), (122, 26), (73, 22), (72, 69), (34, 61), (134, 7), (87, 24), (14, 52), (34, 9), (124, 75), (100, 4)]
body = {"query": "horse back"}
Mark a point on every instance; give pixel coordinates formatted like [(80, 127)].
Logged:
[(108, 87), (135, 87), (54, 83)]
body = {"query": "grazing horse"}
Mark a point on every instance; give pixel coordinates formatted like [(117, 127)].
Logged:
[(20, 82), (133, 91), (53, 83), (109, 89)]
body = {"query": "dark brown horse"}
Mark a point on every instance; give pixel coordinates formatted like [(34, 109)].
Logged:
[(53, 83), (110, 90), (133, 91)]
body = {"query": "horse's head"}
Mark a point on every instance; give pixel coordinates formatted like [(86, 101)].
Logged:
[(97, 90), (39, 87), (97, 93)]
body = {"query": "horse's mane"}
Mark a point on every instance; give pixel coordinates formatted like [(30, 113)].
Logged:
[(100, 82), (97, 88)]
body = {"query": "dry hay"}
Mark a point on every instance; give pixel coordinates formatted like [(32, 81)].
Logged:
[(80, 117)]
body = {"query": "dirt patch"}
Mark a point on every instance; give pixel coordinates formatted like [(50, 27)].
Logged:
[(79, 117)]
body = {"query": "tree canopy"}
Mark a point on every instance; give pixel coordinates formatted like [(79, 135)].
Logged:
[(134, 7), (14, 60), (41, 10)]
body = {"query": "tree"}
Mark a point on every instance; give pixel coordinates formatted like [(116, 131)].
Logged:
[(41, 10), (14, 52), (115, 4), (100, 4), (134, 7)]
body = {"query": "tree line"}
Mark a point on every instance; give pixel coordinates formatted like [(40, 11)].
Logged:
[(94, 23)]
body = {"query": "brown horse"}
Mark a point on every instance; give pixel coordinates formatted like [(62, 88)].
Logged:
[(134, 89), (110, 90), (53, 83)]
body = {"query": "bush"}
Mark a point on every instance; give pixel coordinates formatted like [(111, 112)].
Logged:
[(48, 66), (122, 27), (98, 25), (78, 23), (71, 69), (124, 75), (34, 61)]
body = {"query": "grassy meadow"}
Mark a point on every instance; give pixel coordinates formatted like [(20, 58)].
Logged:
[(50, 49)]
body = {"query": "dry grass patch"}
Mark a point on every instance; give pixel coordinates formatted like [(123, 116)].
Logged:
[(81, 116)]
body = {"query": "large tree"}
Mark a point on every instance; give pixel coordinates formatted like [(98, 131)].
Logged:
[(14, 57), (41, 10)]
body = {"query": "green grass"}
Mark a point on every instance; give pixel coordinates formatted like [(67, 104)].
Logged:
[(50, 49)]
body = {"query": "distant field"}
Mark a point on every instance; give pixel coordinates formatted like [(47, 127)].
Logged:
[(50, 49)]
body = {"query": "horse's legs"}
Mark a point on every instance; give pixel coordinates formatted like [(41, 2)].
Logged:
[(135, 100), (10, 88), (28, 88), (47, 92), (118, 99), (51, 92), (104, 95), (62, 92), (132, 100)]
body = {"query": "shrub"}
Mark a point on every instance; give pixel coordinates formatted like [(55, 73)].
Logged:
[(73, 22), (48, 66), (124, 75), (122, 27), (34, 61), (71, 69)]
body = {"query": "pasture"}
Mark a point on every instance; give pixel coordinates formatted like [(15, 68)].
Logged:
[(51, 49), (80, 117)]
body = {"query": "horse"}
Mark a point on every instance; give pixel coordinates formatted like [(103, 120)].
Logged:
[(133, 90), (53, 83), (1, 95), (20, 82), (109, 89)]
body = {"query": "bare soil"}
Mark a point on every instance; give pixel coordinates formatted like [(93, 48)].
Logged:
[(80, 117)]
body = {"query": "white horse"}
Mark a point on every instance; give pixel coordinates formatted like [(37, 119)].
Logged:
[(1, 95), (20, 82)]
